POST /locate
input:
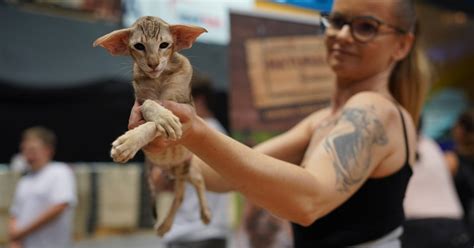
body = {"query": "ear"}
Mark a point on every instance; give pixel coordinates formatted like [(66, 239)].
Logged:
[(405, 45), (115, 42), (185, 35)]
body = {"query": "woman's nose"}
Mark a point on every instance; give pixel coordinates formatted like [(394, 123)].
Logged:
[(345, 33)]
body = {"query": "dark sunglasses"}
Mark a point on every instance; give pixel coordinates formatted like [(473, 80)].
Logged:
[(363, 28)]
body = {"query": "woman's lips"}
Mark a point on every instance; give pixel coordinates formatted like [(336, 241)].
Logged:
[(342, 51)]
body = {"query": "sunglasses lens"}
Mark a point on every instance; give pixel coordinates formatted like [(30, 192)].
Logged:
[(364, 29)]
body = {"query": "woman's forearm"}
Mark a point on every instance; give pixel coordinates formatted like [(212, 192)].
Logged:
[(283, 188), (213, 180)]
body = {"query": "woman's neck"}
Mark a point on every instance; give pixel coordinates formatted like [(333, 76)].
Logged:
[(346, 88)]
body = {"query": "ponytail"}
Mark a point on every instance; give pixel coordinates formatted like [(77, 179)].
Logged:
[(409, 81)]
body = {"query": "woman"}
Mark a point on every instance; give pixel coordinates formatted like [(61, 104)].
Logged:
[(340, 174)]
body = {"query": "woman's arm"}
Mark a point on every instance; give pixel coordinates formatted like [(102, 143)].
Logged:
[(333, 171), (289, 146)]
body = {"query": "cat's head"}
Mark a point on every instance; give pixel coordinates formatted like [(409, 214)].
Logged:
[(151, 42)]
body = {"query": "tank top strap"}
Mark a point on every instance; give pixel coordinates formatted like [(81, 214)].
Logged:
[(407, 150)]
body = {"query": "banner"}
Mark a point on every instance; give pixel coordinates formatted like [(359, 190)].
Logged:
[(212, 15), (296, 6), (319, 5), (288, 75)]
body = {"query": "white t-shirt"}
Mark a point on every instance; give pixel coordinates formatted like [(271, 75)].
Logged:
[(36, 192), (187, 225)]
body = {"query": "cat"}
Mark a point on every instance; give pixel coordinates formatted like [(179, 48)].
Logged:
[(159, 73)]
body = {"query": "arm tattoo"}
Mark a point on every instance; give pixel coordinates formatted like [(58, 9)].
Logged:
[(351, 146)]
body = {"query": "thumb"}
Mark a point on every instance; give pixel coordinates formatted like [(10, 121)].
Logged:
[(183, 111)]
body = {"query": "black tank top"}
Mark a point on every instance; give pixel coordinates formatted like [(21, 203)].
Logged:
[(372, 212)]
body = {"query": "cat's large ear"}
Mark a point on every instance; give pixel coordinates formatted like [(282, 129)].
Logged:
[(115, 42), (185, 35)]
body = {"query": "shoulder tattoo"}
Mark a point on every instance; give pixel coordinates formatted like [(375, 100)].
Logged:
[(351, 146)]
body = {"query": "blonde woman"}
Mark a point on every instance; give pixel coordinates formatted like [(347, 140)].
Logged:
[(340, 174)]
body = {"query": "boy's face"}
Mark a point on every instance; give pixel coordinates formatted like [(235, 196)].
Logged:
[(36, 152)]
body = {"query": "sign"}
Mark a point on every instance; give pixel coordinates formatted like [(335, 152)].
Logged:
[(288, 75), (304, 7), (212, 15), (320, 5)]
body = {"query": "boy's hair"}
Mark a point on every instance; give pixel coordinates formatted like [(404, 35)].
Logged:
[(45, 135)]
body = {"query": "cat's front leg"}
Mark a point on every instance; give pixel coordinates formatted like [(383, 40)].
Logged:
[(167, 124), (126, 146)]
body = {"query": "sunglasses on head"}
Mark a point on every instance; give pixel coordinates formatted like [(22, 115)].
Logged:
[(362, 28)]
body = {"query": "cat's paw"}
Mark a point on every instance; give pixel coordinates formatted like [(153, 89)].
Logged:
[(125, 147), (167, 124), (206, 216)]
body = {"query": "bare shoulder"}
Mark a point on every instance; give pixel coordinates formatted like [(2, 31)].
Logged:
[(387, 114), (380, 107), (373, 100), (386, 110)]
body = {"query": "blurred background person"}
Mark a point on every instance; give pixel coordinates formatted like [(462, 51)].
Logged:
[(432, 207), (42, 210), (264, 230), (188, 231), (461, 163), (18, 163)]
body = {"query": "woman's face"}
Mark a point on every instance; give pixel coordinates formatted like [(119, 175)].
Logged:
[(349, 53)]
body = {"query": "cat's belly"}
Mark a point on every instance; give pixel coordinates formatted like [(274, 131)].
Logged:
[(170, 157)]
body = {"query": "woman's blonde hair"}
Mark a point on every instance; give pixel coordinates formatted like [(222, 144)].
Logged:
[(409, 81)]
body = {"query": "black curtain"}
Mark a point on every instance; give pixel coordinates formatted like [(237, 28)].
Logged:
[(86, 119)]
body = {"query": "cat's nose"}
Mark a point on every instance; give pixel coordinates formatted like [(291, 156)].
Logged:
[(153, 66)]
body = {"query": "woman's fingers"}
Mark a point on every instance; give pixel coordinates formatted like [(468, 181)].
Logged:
[(184, 112), (136, 118)]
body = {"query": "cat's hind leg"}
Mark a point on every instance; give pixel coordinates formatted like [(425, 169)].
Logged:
[(197, 180), (178, 199)]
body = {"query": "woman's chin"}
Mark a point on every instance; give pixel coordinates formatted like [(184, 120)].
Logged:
[(341, 68), (337, 67)]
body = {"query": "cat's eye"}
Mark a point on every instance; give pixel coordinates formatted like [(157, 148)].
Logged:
[(164, 45), (139, 46)]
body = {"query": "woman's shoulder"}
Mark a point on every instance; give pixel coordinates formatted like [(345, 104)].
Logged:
[(384, 108), (393, 117), (370, 97)]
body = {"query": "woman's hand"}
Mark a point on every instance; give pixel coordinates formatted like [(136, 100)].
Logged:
[(136, 118), (184, 112)]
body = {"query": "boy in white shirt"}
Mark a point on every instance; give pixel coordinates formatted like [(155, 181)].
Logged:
[(42, 212)]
